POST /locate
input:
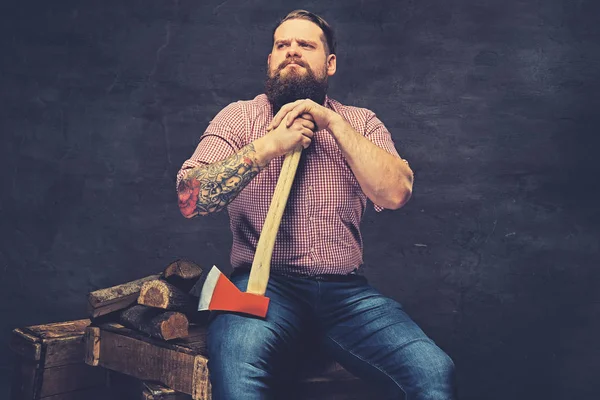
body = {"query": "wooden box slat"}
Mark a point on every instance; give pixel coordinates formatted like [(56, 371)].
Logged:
[(59, 329), (171, 364), (156, 391), (97, 393), (61, 343), (25, 345), (49, 362), (105, 301), (25, 379), (68, 378)]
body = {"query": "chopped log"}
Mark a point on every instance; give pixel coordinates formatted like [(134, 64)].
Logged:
[(183, 274), (183, 269), (105, 301), (155, 322), (160, 294)]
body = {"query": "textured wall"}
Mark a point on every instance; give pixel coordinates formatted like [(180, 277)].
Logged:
[(494, 104)]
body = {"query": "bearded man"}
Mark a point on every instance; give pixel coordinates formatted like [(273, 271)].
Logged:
[(316, 287)]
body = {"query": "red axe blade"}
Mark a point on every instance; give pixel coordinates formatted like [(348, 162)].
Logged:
[(218, 293)]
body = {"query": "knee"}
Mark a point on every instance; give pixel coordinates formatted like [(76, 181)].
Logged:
[(434, 360), (444, 365), (436, 371)]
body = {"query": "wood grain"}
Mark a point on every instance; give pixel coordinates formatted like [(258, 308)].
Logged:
[(158, 293), (155, 322), (105, 301)]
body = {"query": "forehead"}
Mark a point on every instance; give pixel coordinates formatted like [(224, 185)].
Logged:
[(298, 29)]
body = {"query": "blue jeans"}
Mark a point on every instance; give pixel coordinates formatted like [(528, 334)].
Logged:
[(367, 333)]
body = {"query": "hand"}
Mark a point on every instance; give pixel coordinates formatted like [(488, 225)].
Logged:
[(286, 116), (284, 139)]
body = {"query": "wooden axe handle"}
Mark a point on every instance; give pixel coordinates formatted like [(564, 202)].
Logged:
[(261, 266)]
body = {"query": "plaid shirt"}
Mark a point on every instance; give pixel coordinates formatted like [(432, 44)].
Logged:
[(319, 231)]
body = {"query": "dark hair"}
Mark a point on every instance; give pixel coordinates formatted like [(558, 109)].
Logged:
[(320, 22)]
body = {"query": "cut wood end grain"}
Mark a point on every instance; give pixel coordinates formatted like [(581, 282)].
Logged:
[(183, 269), (156, 322), (161, 294), (115, 293), (175, 326), (154, 294)]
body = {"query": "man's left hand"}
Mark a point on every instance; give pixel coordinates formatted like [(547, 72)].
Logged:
[(322, 116)]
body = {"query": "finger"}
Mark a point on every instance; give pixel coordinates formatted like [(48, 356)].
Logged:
[(307, 116), (306, 142), (308, 121), (298, 108), (293, 114), (283, 112), (279, 116), (307, 124), (309, 133), (275, 122), (303, 122)]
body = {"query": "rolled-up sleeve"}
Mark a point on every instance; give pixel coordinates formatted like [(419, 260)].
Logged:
[(377, 133), (223, 137)]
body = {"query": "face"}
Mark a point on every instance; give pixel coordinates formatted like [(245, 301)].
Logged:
[(298, 48), (298, 66)]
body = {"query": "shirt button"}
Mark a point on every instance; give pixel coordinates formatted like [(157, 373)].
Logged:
[(309, 187)]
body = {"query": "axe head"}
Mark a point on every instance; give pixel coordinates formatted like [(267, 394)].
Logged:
[(218, 293)]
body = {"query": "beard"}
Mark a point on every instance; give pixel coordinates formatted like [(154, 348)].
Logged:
[(295, 85)]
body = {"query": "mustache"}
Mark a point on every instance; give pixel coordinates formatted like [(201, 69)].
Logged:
[(289, 61)]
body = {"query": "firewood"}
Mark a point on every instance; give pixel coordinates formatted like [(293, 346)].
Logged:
[(160, 294), (105, 301), (183, 274), (155, 322), (184, 269)]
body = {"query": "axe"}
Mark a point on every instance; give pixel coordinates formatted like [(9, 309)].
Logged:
[(217, 292)]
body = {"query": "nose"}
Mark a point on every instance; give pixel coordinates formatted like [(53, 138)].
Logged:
[(293, 51)]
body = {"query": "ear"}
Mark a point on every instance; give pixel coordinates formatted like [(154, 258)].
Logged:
[(331, 64), (269, 61)]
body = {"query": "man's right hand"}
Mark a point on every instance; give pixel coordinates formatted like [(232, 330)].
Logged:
[(282, 140)]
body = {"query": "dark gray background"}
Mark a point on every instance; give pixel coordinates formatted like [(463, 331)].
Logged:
[(494, 103)]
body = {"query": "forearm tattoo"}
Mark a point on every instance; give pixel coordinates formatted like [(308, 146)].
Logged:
[(209, 188)]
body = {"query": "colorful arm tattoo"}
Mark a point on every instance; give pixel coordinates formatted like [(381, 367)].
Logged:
[(209, 188)]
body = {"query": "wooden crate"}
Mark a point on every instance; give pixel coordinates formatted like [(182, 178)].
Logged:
[(49, 364), (125, 387), (156, 391), (180, 366)]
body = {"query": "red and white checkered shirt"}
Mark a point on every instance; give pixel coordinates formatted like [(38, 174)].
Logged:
[(319, 231)]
